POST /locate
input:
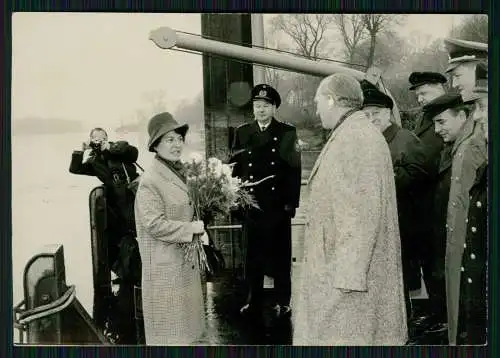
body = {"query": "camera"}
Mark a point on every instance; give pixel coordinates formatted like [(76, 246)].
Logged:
[(95, 146)]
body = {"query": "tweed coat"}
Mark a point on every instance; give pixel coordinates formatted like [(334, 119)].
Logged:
[(172, 297), (469, 153), (351, 243)]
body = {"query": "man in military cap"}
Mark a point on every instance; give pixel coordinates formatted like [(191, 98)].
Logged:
[(268, 148), (411, 167), (427, 87), (450, 115), (463, 57)]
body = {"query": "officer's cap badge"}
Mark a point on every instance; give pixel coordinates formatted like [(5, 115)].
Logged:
[(263, 93)]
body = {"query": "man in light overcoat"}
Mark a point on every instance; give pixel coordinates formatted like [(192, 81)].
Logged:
[(350, 290)]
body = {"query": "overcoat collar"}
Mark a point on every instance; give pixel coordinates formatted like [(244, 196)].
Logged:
[(467, 130), (446, 158), (390, 132), (423, 124), (163, 170), (353, 114)]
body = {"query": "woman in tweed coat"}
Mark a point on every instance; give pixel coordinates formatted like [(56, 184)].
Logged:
[(172, 298)]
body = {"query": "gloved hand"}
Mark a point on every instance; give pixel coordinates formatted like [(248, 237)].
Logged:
[(290, 210)]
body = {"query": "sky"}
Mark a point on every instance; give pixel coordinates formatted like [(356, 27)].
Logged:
[(96, 68)]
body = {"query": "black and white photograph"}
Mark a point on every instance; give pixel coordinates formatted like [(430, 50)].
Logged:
[(210, 179)]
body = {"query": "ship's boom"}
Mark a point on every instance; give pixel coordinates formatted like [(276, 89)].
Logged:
[(167, 38)]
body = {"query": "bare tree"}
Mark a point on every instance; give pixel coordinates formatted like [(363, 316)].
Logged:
[(376, 24), (306, 30), (473, 28), (352, 29)]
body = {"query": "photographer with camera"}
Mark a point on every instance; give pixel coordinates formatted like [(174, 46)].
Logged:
[(113, 163)]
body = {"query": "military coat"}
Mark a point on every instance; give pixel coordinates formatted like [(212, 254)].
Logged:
[(469, 153), (472, 320)]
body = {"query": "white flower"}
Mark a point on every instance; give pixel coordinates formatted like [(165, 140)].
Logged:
[(215, 166), (227, 170), (195, 157)]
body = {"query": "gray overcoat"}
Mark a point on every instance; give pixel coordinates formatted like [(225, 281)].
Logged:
[(351, 243), (172, 298)]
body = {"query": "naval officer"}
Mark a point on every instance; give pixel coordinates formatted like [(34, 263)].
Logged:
[(268, 148)]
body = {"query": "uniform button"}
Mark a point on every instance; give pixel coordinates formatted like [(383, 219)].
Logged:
[(446, 226), (454, 204), (249, 152), (451, 229), (251, 176), (272, 188), (472, 256), (470, 197), (274, 150), (469, 280), (249, 164), (251, 189), (272, 163), (466, 220), (478, 204), (275, 138), (473, 229), (462, 269), (465, 246)]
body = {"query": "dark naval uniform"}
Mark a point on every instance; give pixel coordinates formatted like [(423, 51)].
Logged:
[(259, 154), (472, 319)]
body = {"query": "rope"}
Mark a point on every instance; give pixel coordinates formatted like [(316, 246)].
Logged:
[(46, 310)]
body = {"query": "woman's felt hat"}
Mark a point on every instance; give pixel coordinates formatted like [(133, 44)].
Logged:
[(161, 124)]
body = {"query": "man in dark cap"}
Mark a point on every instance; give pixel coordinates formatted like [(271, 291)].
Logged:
[(268, 150), (411, 168), (427, 87), (463, 57), (450, 115)]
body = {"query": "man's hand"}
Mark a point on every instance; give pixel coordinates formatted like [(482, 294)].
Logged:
[(85, 146), (290, 210), (105, 145)]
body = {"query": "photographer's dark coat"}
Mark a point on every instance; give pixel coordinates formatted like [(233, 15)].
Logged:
[(108, 166), (258, 154)]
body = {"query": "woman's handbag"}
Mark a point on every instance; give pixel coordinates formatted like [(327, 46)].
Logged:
[(215, 258)]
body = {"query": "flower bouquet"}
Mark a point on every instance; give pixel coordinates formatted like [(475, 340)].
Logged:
[(213, 191)]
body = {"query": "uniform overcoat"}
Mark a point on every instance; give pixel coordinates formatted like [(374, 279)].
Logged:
[(172, 298), (472, 320), (268, 234), (469, 153), (433, 145), (411, 171), (351, 242)]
